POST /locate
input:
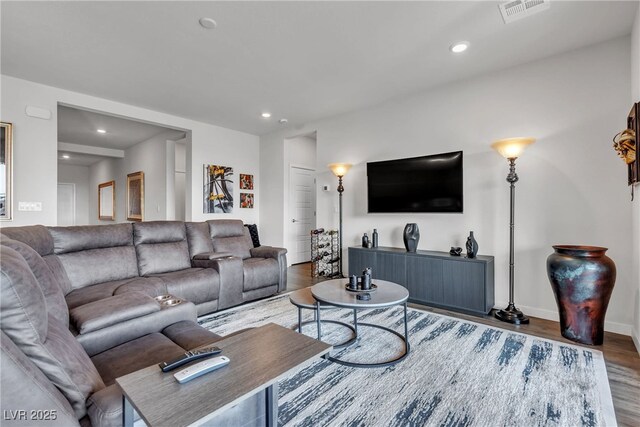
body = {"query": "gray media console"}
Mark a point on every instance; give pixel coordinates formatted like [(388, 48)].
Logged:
[(432, 278)]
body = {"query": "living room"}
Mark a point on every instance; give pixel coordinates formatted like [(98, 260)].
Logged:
[(369, 82)]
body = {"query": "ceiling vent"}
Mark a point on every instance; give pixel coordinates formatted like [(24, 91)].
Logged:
[(518, 9)]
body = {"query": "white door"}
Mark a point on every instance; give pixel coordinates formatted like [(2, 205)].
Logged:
[(302, 213), (66, 204)]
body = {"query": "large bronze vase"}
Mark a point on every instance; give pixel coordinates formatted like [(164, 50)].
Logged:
[(582, 279)]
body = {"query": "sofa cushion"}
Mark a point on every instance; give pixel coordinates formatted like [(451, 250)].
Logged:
[(135, 355), (260, 272), (92, 266), (198, 238), (158, 232), (253, 233), (158, 258), (110, 311), (236, 246), (190, 335), (54, 297), (42, 337), (197, 285), (36, 236), (149, 285), (83, 237), (225, 228)]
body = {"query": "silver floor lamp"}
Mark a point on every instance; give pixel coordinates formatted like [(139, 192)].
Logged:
[(511, 149), (340, 170)]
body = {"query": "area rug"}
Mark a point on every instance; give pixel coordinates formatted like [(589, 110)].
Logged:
[(458, 373)]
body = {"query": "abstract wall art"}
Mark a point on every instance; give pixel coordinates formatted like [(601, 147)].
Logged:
[(246, 200), (246, 182), (218, 189)]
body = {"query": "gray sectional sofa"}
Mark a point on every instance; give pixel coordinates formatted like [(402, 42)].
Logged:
[(81, 306)]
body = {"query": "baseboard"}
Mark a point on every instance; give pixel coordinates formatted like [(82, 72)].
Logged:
[(636, 339), (618, 328)]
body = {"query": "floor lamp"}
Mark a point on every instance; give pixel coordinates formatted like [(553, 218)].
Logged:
[(340, 170), (511, 149)]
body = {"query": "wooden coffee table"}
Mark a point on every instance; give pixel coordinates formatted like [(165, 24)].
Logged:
[(259, 358)]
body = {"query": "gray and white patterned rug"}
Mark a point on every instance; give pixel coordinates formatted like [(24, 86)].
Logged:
[(458, 373)]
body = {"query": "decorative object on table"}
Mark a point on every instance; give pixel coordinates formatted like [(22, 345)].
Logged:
[(472, 246), (582, 279), (340, 170), (324, 253), (246, 181), (526, 363), (511, 149), (411, 237), (374, 238), (107, 201), (246, 200), (365, 240), (135, 196), (627, 145), (353, 282), (455, 251), (6, 165), (218, 189)]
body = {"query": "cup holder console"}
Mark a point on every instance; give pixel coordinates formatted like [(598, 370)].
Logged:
[(168, 300)]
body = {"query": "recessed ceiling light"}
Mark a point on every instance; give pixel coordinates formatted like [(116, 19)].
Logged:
[(101, 131), (66, 156), (283, 121), (266, 115), (459, 47), (208, 23)]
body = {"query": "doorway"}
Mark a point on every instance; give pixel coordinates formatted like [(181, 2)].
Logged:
[(302, 213), (66, 204)]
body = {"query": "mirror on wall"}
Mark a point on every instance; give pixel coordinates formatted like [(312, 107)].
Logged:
[(107, 201), (6, 174)]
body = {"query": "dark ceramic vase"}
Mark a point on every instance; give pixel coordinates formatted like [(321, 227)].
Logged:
[(472, 246), (411, 237), (582, 279)]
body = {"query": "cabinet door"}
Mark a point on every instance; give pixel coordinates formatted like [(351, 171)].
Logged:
[(463, 285), (359, 259), (391, 267), (424, 279)]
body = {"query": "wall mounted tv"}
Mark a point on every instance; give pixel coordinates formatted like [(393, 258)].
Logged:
[(419, 184)]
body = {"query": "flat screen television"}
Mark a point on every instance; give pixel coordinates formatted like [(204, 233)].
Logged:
[(419, 184)]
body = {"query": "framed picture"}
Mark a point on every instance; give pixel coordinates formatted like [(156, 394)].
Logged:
[(218, 189), (135, 196), (246, 182), (6, 171), (633, 123), (107, 201), (246, 200)]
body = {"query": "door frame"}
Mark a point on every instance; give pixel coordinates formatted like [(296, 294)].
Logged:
[(73, 201), (287, 231)]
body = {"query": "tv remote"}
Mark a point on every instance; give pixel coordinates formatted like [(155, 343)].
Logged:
[(201, 368), (189, 356)]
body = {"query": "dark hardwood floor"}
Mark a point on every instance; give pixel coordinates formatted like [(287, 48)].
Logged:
[(621, 357)]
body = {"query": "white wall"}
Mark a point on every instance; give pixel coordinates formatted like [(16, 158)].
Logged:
[(78, 175), (572, 185), (635, 97), (35, 148)]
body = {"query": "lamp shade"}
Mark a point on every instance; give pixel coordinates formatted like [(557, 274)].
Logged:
[(512, 148), (339, 169)]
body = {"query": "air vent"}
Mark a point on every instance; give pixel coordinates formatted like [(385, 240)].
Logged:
[(518, 9)]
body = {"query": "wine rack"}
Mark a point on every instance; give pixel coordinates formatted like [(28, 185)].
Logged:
[(325, 254)]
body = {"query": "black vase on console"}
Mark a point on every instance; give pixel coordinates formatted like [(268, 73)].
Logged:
[(472, 246), (411, 237)]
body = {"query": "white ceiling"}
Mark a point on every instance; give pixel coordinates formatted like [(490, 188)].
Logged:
[(79, 127), (299, 60)]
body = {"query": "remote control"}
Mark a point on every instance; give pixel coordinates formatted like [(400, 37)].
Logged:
[(189, 356), (201, 368)]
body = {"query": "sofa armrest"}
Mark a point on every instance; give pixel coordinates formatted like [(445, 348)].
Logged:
[(279, 254), (211, 255), (230, 269), (104, 407), (110, 311)]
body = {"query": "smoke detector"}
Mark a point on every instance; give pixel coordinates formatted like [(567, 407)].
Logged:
[(514, 10)]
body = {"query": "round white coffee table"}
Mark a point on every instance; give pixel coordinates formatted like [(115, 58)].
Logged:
[(387, 294)]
